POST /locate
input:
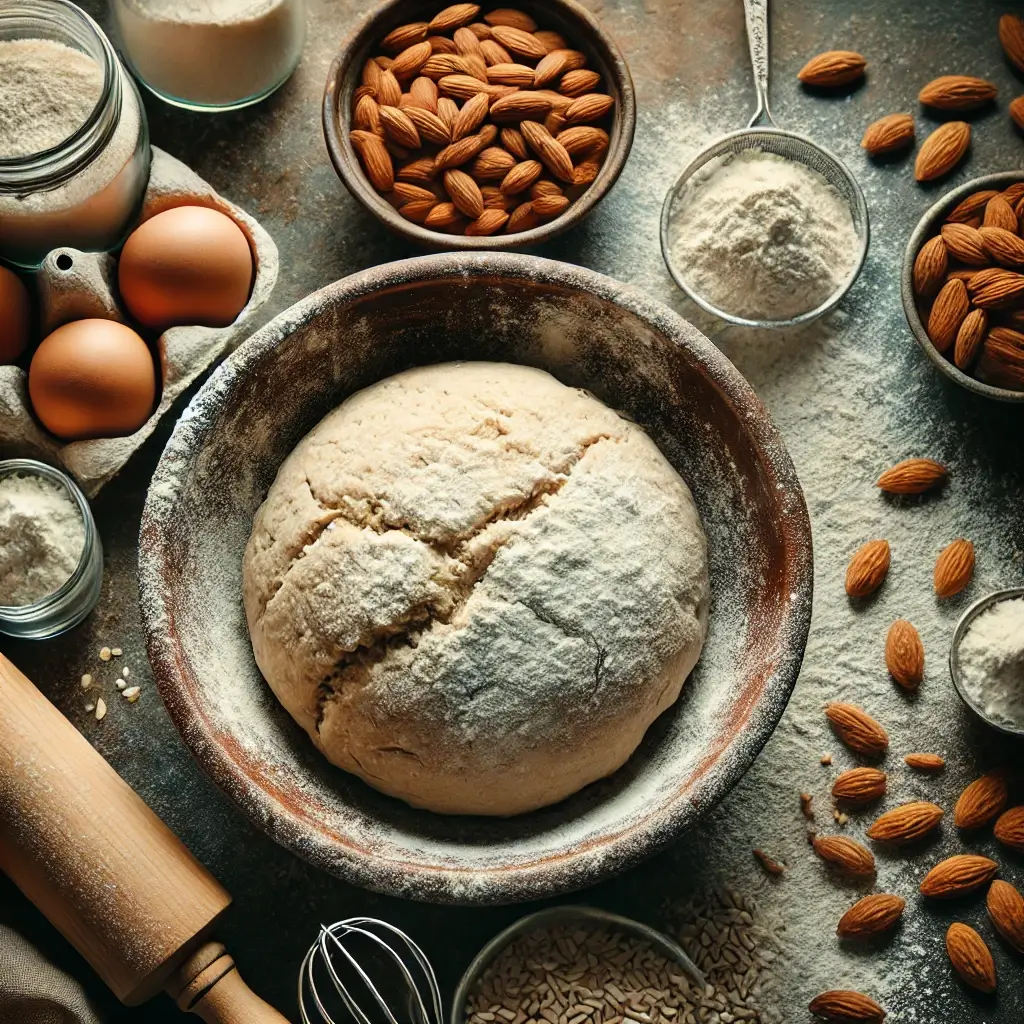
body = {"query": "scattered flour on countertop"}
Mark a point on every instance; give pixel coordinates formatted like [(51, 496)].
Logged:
[(991, 658), (47, 92), (762, 236), (41, 538)]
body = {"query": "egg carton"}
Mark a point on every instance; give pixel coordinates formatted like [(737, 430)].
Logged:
[(74, 285)]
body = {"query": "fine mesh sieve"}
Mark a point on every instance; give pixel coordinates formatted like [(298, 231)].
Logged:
[(782, 143)]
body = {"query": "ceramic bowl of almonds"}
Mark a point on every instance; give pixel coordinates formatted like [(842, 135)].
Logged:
[(963, 285), (479, 127)]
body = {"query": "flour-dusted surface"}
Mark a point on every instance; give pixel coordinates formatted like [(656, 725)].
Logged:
[(879, 400), (763, 237), (47, 92), (991, 660), (475, 588)]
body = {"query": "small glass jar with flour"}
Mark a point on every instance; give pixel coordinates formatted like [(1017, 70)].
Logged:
[(51, 558), (211, 55), (74, 145)]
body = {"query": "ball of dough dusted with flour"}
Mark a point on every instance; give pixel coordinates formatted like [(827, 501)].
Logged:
[(475, 587)]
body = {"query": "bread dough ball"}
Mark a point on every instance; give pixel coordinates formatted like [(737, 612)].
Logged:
[(475, 588)]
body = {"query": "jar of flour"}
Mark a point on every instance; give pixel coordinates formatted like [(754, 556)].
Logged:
[(74, 145), (212, 54)]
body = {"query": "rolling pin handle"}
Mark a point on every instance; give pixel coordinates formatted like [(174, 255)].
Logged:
[(208, 984)]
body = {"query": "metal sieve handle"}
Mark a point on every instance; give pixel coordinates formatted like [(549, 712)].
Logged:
[(757, 36)]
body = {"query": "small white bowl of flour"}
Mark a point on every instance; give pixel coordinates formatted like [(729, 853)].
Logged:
[(987, 659), (763, 239)]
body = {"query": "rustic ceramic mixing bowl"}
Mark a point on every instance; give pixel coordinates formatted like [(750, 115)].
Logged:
[(573, 21), (590, 332), (927, 226)]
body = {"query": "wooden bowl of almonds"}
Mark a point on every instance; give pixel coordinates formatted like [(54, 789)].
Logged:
[(479, 127), (963, 285)]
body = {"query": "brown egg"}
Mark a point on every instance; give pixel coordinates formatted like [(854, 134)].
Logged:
[(189, 265), (15, 316), (92, 378)]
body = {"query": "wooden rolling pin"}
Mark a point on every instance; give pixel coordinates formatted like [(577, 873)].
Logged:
[(106, 871)]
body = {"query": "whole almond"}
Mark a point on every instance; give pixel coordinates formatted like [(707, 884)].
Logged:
[(1003, 246), (492, 164), (1013, 193), (461, 152), (467, 42), (1009, 828), (512, 140), (441, 44), (471, 116), (965, 244), (375, 158), (1001, 362), (845, 854), (453, 17), (522, 219), (942, 150), (859, 786), (442, 64), (495, 53), (487, 223), (579, 83), (480, 29), (556, 63), (970, 957), (420, 171), (443, 217), (408, 193), (833, 68), (912, 476), (957, 92), (552, 153), (545, 188), (1011, 36), (371, 76), (907, 823), (871, 916), (521, 176), (904, 654), (589, 107), (520, 105), (494, 199), (430, 126), (869, 565), (954, 568), (999, 214), (447, 110), (857, 729), (1006, 910), (418, 210), (511, 18), (994, 288), (549, 207), (843, 1006), (971, 206), (583, 139), (948, 312), (464, 87), (464, 193), (399, 127), (551, 41), (888, 134), (982, 801), (404, 36), (366, 115), (925, 762), (969, 339), (1016, 112), (958, 875), (558, 101), (519, 43), (424, 93), (510, 74), (408, 63), (389, 92), (930, 267)]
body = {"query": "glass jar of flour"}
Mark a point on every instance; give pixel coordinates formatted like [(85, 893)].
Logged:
[(74, 144), (211, 54)]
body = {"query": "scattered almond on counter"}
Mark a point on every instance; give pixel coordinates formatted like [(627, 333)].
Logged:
[(904, 654), (888, 134), (982, 801), (925, 762), (845, 854), (832, 69), (957, 92), (857, 729), (868, 568), (843, 1006), (871, 916), (913, 476), (1006, 910), (906, 824), (1009, 828), (1011, 36), (942, 150), (954, 568), (958, 875), (859, 786), (970, 957)]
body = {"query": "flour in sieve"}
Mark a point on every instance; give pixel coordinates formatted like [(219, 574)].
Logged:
[(762, 236)]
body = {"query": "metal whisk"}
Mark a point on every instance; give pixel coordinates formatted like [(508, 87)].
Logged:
[(341, 959)]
